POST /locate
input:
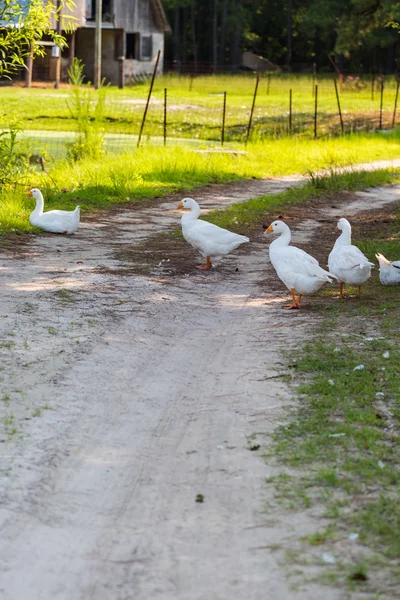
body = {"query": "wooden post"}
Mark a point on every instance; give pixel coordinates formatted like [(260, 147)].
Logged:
[(316, 111), (97, 45), (223, 121), (381, 107), (395, 103), (252, 108), (314, 77), (29, 69), (372, 87), (148, 98), (290, 111), (338, 103), (165, 117), (268, 82), (71, 48)]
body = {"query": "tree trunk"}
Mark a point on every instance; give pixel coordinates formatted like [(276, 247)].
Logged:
[(289, 35), (176, 35), (235, 36), (194, 42), (214, 37), (184, 38), (222, 33)]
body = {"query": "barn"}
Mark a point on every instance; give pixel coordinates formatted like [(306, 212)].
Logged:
[(132, 34)]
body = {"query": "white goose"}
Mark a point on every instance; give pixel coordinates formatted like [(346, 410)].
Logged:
[(299, 271), (389, 272), (55, 221), (212, 241), (347, 262)]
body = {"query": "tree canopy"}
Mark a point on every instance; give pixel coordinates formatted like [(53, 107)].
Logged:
[(359, 35), (23, 24)]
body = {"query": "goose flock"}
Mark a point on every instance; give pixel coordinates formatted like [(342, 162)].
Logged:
[(300, 272)]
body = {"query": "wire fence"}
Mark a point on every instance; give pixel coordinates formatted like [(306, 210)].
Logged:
[(198, 111)]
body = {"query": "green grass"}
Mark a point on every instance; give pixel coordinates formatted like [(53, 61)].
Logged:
[(154, 172), (340, 445), (248, 214), (195, 106)]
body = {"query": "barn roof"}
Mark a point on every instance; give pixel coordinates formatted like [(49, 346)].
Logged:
[(160, 16)]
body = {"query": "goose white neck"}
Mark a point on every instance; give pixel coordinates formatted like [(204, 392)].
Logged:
[(283, 239), (192, 214), (39, 204), (344, 238)]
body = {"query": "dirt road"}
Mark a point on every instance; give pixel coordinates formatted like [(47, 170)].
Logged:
[(125, 398)]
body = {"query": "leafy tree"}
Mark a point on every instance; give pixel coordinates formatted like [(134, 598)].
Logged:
[(23, 24), (358, 35)]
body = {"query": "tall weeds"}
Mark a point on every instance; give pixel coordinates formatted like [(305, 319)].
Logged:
[(87, 108)]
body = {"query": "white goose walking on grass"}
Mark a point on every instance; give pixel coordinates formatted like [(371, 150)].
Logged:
[(55, 221), (299, 271), (389, 272), (212, 241), (347, 262)]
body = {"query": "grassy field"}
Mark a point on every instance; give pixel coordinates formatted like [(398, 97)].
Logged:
[(195, 107), (154, 172)]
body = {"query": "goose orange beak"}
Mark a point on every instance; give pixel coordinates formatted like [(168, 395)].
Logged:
[(180, 205), (269, 229), (30, 195)]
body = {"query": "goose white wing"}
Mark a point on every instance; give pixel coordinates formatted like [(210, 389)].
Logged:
[(295, 259), (211, 239), (347, 257), (57, 221)]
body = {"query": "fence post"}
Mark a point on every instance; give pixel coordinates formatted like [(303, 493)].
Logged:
[(165, 117), (372, 87), (148, 98), (290, 111), (395, 103), (252, 108), (338, 103), (223, 121), (314, 77), (381, 106), (316, 111), (268, 82)]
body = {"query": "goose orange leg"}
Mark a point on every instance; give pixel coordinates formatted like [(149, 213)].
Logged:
[(299, 297), (341, 284), (359, 291), (207, 266), (295, 303)]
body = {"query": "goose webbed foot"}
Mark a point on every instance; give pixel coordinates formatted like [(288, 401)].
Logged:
[(207, 266)]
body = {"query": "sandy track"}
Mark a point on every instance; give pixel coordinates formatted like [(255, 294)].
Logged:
[(130, 396)]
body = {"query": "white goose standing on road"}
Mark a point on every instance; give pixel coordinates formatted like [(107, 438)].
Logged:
[(299, 271), (347, 262), (212, 241)]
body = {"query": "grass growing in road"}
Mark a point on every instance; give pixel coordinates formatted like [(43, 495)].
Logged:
[(340, 445), (238, 217)]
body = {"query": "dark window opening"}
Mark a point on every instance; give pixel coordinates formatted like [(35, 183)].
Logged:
[(106, 7), (132, 46), (147, 47)]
